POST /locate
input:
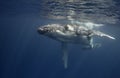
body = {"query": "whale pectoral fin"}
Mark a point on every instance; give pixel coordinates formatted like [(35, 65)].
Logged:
[(98, 33), (91, 45), (65, 54)]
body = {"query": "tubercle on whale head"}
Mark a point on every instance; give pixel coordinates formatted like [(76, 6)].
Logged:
[(43, 29)]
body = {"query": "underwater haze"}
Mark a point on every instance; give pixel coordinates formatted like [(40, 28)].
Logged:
[(26, 54)]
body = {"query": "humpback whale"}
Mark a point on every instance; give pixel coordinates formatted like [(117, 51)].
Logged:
[(71, 34)]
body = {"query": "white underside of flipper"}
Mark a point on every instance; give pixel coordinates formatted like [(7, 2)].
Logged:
[(98, 33), (65, 54)]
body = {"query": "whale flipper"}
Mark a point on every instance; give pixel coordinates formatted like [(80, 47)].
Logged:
[(98, 33), (65, 54)]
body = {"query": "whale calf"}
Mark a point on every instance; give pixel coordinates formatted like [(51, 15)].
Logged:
[(71, 34)]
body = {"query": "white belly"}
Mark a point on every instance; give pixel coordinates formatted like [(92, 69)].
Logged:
[(76, 40), (71, 37)]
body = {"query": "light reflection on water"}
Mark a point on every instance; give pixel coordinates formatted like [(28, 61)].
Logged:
[(99, 11)]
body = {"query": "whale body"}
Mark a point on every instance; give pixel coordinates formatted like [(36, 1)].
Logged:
[(71, 34)]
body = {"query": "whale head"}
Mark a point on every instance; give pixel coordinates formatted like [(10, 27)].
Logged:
[(51, 30), (44, 30)]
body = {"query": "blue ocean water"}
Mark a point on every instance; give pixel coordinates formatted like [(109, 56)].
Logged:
[(26, 54)]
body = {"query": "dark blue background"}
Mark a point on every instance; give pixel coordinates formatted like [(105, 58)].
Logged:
[(26, 54)]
